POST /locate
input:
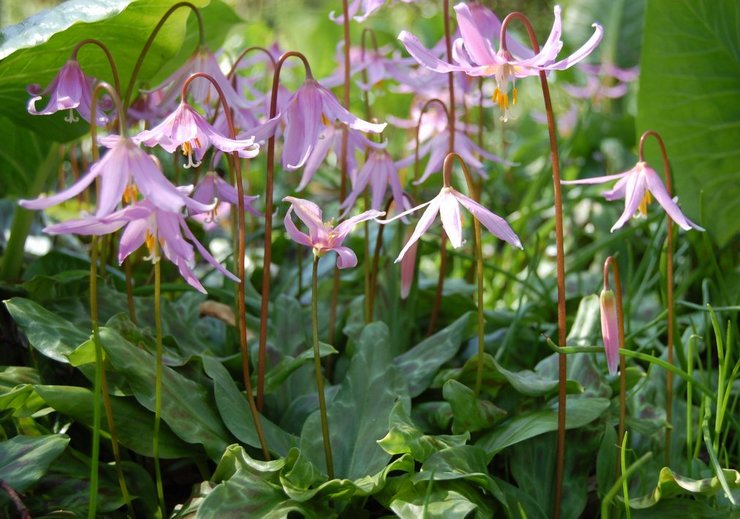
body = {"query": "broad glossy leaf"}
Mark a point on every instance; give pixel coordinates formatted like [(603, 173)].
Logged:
[(421, 363), (52, 336), (134, 425), (277, 375), (358, 416), (580, 411), (671, 484), (443, 499), (24, 459), (234, 410), (469, 413), (405, 437), (690, 94), (187, 406)]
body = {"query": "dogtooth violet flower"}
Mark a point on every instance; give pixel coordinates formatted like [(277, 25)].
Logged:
[(147, 224), (214, 188), (638, 186), (379, 172), (188, 129), (324, 237), (310, 110), (70, 90), (447, 204), (368, 8), (125, 172), (610, 329), (474, 54)]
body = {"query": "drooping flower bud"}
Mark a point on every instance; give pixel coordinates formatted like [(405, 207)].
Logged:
[(610, 329)]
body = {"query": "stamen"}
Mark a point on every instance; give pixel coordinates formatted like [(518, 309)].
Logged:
[(187, 150), (325, 120), (515, 96), (71, 117), (642, 208), (130, 194), (151, 242)]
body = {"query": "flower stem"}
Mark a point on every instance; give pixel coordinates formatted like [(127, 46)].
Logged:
[(109, 57), (669, 289), (130, 290), (611, 262), (95, 456), (158, 383), (240, 260), (317, 365), (267, 247), (560, 253), (150, 41)]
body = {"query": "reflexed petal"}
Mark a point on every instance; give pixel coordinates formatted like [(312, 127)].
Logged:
[(317, 156), (550, 50), (581, 53), (618, 191), (422, 226), (346, 258), (423, 55), (133, 237), (491, 221), (336, 111), (634, 193), (43, 202), (204, 252), (310, 214), (662, 196), (449, 211), (295, 235), (477, 45), (595, 180), (343, 229)]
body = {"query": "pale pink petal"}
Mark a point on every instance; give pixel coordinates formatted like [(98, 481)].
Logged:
[(343, 229), (302, 125), (408, 266), (293, 232), (581, 53), (610, 329), (634, 193), (310, 214), (595, 180), (477, 45), (449, 211), (494, 223), (660, 193), (334, 110), (423, 55), (346, 258), (422, 226)]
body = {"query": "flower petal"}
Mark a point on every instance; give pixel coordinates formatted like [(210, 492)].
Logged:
[(346, 258), (422, 226), (491, 221), (293, 232), (662, 196), (633, 195), (310, 214), (449, 211), (423, 55)]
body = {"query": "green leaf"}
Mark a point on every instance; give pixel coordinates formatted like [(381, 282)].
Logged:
[(358, 415), (606, 461), (421, 363), (52, 336), (187, 406), (134, 425), (671, 484), (580, 411), (405, 437), (278, 375), (234, 410), (24, 460), (469, 413), (690, 94)]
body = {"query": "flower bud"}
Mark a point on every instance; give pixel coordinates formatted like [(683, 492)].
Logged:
[(610, 329)]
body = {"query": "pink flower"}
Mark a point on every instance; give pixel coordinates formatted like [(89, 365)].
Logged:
[(637, 186), (323, 237), (124, 172), (610, 329), (187, 128), (159, 230), (69, 90), (368, 8), (215, 189), (447, 204), (380, 172), (473, 54)]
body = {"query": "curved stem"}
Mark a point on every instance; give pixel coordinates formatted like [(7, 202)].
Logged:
[(109, 57), (611, 262), (446, 174), (150, 41), (158, 381), (246, 51), (317, 365), (669, 287), (562, 325), (241, 253), (267, 257), (450, 75)]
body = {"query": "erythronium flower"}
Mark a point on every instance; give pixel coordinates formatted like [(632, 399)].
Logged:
[(214, 188), (447, 204), (368, 8), (380, 172), (602, 81), (437, 148), (147, 224), (70, 90), (610, 329), (187, 128), (637, 186), (324, 237), (309, 111), (124, 172), (473, 54), (378, 67)]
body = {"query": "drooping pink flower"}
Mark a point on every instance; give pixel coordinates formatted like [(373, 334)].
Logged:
[(188, 129), (70, 90), (160, 230), (610, 329), (474, 54), (447, 204), (124, 172), (213, 189), (324, 237), (604, 81), (368, 8), (637, 186), (380, 173)]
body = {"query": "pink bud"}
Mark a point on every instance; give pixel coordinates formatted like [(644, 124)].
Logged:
[(610, 329), (408, 266)]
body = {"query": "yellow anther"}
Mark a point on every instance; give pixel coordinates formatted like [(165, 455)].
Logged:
[(150, 241), (130, 194), (197, 143), (644, 203), (515, 96), (325, 120), (187, 149)]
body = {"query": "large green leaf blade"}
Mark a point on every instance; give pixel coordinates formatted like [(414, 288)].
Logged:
[(690, 94), (24, 459)]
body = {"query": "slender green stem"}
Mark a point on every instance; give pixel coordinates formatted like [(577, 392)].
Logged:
[(623, 467), (130, 289), (615, 488), (560, 252), (611, 262), (147, 46), (95, 456), (317, 365), (158, 381), (689, 401), (714, 461)]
